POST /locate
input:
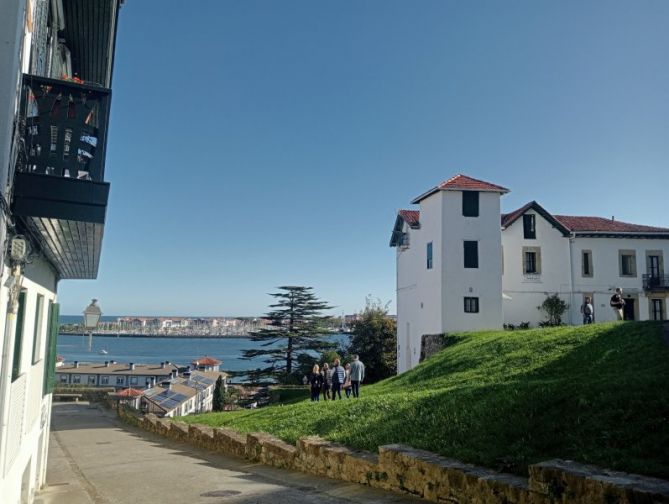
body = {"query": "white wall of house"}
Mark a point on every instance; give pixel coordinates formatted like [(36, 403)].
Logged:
[(528, 291), (459, 282), (419, 300), (24, 411), (606, 274)]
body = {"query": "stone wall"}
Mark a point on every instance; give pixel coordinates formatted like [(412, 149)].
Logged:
[(431, 344), (404, 469)]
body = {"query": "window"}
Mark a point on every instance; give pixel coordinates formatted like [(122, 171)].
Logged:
[(76, 379), (429, 255), (529, 226), (91, 380), (532, 260), (133, 380), (471, 305), (654, 265), (37, 330), (18, 336), (586, 263), (471, 254), (119, 380), (627, 262), (657, 309), (104, 380), (63, 378), (470, 203)]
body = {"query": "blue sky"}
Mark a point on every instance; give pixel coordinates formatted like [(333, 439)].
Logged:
[(261, 143)]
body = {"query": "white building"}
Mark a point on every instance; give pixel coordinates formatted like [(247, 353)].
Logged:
[(54, 111), (462, 265)]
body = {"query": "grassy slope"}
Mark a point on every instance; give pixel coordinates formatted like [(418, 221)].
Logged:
[(597, 394)]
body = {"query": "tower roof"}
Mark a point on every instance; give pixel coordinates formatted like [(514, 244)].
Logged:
[(462, 183)]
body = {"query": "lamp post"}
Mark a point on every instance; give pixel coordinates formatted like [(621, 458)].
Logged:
[(92, 315)]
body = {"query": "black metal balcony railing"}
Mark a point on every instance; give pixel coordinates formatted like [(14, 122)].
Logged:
[(656, 282), (59, 193), (65, 128)]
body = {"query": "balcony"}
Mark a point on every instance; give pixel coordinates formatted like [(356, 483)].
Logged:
[(655, 282), (59, 189)]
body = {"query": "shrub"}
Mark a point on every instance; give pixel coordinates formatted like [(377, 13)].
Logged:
[(554, 307)]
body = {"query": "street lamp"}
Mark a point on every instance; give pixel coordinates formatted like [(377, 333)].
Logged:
[(92, 315)]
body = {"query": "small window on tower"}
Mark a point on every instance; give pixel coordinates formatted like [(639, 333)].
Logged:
[(470, 203)]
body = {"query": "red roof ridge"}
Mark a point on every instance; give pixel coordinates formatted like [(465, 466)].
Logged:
[(462, 182)]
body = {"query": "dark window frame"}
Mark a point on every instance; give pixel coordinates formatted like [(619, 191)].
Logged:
[(471, 304), (586, 263), (529, 226), (37, 330), (430, 255), (471, 254), (530, 262), (18, 335), (470, 203)]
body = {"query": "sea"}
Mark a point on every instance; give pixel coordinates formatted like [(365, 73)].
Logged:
[(181, 351)]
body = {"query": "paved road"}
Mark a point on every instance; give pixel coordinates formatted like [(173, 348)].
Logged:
[(95, 459)]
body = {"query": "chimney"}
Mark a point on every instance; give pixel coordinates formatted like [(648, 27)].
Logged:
[(106, 363), (613, 217), (153, 381), (76, 363), (162, 365), (132, 366), (166, 384), (186, 374)]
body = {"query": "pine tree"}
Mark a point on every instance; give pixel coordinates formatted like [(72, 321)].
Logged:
[(296, 327), (219, 395)]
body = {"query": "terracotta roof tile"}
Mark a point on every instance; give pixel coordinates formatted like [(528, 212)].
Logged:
[(462, 183), (129, 392), (206, 361), (601, 224), (411, 217)]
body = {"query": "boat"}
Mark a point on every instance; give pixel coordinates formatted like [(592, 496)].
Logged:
[(103, 351)]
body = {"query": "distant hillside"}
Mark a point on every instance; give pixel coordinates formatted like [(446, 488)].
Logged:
[(597, 394)]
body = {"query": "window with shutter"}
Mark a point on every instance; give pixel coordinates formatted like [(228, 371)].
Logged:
[(529, 226), (470, 203), (471, 249)]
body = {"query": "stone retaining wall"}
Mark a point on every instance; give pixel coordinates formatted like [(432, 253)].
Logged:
[(404, 469)]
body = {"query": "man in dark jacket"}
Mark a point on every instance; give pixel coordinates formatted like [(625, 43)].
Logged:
[(338, 378), (618, 303)]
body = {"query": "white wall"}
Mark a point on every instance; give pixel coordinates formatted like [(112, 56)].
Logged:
[(483, 282), (527, 292), (418, 288), (24, 412), (606, 274)]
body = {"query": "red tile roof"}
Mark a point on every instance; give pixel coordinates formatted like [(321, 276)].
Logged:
[(206, 361), (411, 217), (601, 224), (462, 183), (129, 392)]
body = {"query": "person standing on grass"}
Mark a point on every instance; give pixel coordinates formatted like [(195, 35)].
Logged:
[(587, 310), (327, 381), (338, 377), (618, 303), (357, 375), (316, 381), (347, 380)]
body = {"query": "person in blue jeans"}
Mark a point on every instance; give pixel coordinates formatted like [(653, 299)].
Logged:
[(357, 375), (338, 378)]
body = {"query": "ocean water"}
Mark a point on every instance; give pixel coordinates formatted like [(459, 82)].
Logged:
[(180, 351)]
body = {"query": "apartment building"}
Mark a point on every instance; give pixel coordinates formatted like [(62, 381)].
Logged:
[(56, 59)]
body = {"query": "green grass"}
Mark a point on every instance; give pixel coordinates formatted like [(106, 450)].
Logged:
[(597, 394)]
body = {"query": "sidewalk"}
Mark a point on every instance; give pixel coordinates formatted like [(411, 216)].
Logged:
[(95, 459)]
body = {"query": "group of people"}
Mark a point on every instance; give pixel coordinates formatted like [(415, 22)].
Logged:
[(330, 381), (617, 303)]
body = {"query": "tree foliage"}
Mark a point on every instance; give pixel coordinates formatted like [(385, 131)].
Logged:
[(218, 400), (296, 327), (554, 307), (374, 339)]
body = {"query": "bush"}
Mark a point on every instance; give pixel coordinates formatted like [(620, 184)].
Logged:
[(554, 307)]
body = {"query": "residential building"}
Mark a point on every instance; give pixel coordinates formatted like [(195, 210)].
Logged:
[(191, 393), (462, 265), (56, 59), (206, 364), (112, 374)]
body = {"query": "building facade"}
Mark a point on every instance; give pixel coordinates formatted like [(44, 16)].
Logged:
[(56, 59), (462, 265)]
